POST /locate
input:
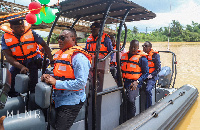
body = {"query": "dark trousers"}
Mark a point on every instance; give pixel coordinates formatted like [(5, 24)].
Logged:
[(33, 70), (66, 115), (131, 96), (150, 85)]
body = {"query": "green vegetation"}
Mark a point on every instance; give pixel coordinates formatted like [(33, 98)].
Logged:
[(1, 33), (178, 33)]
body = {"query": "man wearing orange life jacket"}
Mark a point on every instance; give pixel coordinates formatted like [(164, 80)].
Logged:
[(19, 44), (71, 70), (154, 68), (134, 66), (106, 45)]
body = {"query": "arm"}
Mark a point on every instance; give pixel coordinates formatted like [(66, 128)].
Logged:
[(9, 57), (47, 50), (143, 62), (14, 62), (156, 61), (81, 66), (39, 40)]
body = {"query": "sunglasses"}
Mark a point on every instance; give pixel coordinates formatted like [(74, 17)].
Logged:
[(144, 46), (62, 38)]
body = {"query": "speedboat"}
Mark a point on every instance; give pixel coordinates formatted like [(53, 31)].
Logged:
[(105, 108)]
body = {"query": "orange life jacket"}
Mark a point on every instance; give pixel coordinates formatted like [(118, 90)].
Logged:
[(150, 62), (91, 46), (23, 48), (130, 67), (63, 69)]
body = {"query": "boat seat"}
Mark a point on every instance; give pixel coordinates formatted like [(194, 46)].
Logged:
[(42, 94), (21, 83)]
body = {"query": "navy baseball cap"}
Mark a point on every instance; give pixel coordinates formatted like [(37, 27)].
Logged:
[(95, 25), (16, 21)]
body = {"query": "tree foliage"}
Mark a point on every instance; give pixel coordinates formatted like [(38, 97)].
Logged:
[(176, 33)]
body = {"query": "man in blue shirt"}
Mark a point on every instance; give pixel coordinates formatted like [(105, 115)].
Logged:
[(106, 44), (71, 70), (154, 68), (135, 70), (19, 45)]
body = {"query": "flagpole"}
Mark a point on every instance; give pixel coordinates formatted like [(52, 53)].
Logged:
[(169, 29)]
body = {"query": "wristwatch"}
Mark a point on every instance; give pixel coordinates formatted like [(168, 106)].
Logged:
[(138, 81)]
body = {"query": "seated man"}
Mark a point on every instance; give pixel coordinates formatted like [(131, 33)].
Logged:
[(154, 68)]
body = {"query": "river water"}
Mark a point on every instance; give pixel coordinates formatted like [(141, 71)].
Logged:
[(188, 72)]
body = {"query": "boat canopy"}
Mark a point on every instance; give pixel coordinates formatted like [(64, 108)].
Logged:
[(93, 10)]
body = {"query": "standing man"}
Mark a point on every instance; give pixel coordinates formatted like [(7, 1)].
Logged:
[(71, 70), (106, 44), (154, 68), (19, 44), (135, 70)]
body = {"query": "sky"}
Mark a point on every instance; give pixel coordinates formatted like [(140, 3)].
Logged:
[(184, 11)]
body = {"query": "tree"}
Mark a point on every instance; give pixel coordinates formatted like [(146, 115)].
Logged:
[(135, 30)]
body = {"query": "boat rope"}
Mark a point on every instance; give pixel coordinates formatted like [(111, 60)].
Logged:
[(155, 113), (12, 18)]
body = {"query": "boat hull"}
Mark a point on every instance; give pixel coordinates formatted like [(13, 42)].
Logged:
[(165, 114)]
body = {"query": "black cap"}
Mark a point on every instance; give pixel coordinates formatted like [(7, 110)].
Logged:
[(95, 25), (16, 21)]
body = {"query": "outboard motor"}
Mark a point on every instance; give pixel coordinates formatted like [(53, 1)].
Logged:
[(165, 77)]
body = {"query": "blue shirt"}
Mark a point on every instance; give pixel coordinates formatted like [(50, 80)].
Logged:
[(81, 66), (107, 43), (143, 63), (37, 38)]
